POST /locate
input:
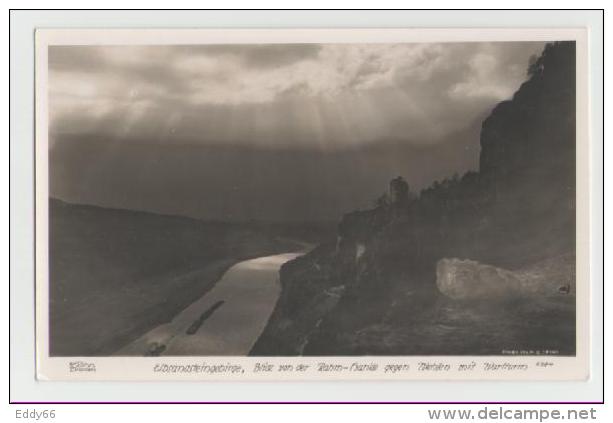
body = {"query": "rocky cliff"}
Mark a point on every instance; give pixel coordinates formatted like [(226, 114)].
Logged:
[(375, 291)]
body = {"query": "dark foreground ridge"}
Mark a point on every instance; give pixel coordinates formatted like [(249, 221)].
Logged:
[(376, 290)]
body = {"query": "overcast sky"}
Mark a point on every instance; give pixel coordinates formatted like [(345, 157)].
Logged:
[(112, 106)]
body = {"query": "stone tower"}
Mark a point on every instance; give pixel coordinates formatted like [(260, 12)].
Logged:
[(399, 192)]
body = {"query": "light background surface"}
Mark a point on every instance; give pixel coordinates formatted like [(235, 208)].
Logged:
[(23, 385)]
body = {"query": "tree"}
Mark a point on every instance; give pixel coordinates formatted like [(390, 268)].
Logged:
[(382, 201)]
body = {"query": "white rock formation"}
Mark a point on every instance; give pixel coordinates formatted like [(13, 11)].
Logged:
[(360, 249), (469, 279)]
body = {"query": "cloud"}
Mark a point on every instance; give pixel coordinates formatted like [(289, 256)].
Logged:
[(259, 55), (324, 96), (75, 58), (270, 132)]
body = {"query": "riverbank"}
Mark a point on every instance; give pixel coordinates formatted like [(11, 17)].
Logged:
[(117, 274), (225, 321)]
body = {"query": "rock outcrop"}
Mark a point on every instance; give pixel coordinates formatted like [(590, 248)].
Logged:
[(516, 213), (471, 280)]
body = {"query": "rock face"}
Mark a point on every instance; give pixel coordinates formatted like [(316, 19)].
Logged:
[(471, 280), (512, 223)]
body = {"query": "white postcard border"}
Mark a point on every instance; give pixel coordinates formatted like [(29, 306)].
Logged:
[(144, 369)]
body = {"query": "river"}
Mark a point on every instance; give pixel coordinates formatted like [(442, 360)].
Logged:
[(227, 320)]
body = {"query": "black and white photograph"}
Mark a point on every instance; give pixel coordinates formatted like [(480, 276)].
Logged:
[(309, 199)]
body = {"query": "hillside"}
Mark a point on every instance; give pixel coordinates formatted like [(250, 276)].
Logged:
[(374, 291), (115, 274)]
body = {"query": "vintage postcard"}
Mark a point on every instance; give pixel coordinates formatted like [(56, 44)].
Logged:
[(303, 204)]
